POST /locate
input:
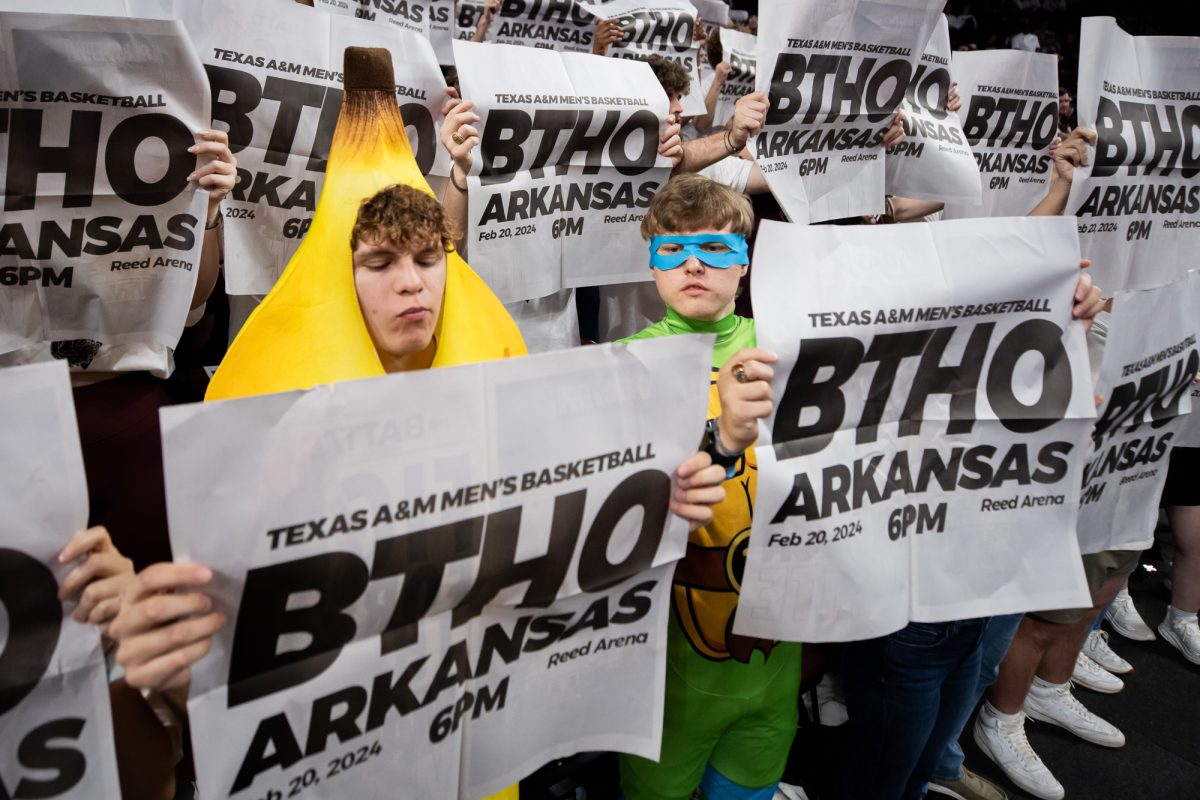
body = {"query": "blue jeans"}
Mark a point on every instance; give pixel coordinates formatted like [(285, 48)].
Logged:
[(904, 695), (997, 636)]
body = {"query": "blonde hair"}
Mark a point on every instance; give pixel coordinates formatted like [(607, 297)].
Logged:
[(692, 202)]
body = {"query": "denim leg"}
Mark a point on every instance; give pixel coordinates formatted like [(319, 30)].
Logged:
[(958, 696), (893, 694), (997, 636)]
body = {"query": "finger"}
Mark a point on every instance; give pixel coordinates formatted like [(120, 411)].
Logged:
[(1083, 286), (146, 648), (213, 135), (104, 612), (99, 592), (697, 516), (451, 92), (758, 409), (710, 475), (97, 564), (752, 354), (215, 149), (693, 464), (467, 131), (700, 495), (169, 671), (750, 392), (168, 575), (758, 371), (84, 542), (214, 168)]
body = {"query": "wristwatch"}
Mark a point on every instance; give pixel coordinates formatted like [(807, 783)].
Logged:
[(711, 444)]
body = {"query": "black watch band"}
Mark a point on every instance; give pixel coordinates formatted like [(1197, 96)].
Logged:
[(712, 445)]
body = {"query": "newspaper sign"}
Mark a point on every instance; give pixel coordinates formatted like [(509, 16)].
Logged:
[(713, 12), (1150, 359), (433, 19), (437, 580), (567, 164), (101, 230), (835, 73), (563, 25), (740, 51), (1138, 198), (658, 27), (466, 19), (933, 404), (1010, 116), (934, 162), (56, 732), (275, 69)]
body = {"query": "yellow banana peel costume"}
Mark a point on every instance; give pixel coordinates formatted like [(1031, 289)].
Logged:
[(309, 329)]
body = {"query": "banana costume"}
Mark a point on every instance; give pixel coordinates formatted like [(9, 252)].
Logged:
[(309, 329)]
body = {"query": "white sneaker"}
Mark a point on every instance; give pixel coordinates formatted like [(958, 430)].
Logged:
[(1125, 619), (831, 701), (1004, 742), (1097, 649), (1090, 674), (1056, 705), (1184, 636)]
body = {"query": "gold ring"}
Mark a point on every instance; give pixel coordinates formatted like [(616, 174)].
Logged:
[(739, 373), (457, 137)]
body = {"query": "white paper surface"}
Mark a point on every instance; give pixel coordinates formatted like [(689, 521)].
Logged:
[(275, 71), (934, 162), (376, 510), (1010, 116), (56, 734), (101, 231), (933, 400), (1138, 198), (1150, 359), (567, 164), (835, 74)]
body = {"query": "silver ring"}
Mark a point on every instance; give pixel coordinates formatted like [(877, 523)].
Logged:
[(739, 373)]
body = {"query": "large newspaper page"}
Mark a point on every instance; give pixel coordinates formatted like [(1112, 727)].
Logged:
[(56, 732), (933, 402), (438, 580)]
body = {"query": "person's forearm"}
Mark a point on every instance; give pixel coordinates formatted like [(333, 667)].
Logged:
[(1055, 201), (454, 201), (703, 152), (210, 262), (906, 209), (481, 28)]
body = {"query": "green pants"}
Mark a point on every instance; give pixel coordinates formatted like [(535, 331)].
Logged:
[(745, 733)]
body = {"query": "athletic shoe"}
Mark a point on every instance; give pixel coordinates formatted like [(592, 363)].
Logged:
[(1004, 742), (1184, 636), (1096, 648), (1056, 705), (1125, 619), (971, 787), (1090, 674)]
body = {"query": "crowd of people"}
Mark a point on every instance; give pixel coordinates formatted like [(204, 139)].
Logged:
[(731, 703)]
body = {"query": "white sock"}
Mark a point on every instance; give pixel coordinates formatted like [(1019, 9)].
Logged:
[(1046, 686), (1177, 617), (1000, 715)]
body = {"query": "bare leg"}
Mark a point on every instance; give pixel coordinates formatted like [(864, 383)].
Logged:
[(1185, 574)]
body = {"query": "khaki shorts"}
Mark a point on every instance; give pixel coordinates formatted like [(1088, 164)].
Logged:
[(1098, 568)]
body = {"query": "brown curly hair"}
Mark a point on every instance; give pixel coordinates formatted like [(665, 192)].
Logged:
[(402, 215), (672, 75)]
